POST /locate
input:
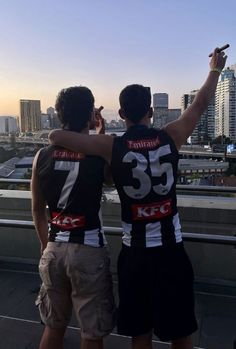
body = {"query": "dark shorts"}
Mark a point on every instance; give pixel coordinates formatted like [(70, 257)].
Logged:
[(156, 292)]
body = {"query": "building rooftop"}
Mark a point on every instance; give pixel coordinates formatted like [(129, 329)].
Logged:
[(20, 323), (7, 167)]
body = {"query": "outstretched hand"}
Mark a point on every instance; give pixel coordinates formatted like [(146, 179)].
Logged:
[(218, 59)]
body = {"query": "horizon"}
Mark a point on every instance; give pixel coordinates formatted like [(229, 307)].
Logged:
[(48, 46)]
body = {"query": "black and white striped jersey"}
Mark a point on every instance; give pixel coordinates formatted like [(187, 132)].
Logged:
[(71, 184), (144, 168)]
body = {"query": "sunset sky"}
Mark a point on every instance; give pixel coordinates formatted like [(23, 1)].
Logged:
[(105, 45)]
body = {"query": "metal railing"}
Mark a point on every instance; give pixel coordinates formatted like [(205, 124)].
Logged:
[(180, 187), (14, 181), (113, 231)]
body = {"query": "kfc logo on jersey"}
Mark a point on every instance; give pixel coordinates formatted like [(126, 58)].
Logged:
[(152, 211), (67, 221), (144, 144)]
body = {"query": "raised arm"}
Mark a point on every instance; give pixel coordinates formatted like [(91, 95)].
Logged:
[(183, 127)]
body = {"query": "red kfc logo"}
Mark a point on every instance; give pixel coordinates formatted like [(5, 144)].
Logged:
[(152, 211), (67, 221)]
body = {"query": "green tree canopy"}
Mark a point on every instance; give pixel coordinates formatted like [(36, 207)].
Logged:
[(222, 139)]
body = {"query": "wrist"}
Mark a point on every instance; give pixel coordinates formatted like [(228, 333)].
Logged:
[(216, 70)]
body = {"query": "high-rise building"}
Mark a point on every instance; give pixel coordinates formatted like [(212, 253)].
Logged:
[(173, 114), (160, 100), (54, 121), (45, 121), (160, 109), (225, 108), (204, 131), (233, 67), (30, 115), (184, 102), (50, 111), (8, 124), (210, 116)]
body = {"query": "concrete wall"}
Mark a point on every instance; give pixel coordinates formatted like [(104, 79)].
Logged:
[(17, 244), (212, 215)]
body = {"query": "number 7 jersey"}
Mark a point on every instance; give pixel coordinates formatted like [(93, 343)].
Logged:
[(144, 168), (71, 184)]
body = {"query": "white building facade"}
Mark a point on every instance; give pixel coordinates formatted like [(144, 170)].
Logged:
[(160, 109), (8, 124), (225, 105)]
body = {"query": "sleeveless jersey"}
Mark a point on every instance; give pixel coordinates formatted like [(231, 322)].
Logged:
[(144, 168), (71, 184)]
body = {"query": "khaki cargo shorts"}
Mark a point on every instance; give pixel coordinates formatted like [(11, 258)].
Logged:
[(77, 276)]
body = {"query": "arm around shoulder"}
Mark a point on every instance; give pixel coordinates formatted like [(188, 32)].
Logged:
[(100, 145)]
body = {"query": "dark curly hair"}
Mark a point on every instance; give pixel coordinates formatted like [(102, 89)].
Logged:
[(74, 106), (135, 101)]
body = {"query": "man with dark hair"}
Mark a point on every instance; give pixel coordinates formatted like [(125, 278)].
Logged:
[(68, 108), (135, 100), (154, 272), (74, 266)]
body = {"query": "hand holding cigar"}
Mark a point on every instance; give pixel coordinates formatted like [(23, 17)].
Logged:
[(98, 110), (96, 117), (220, 49), (99, 121)]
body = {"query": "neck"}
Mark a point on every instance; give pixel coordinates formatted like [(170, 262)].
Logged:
[(145, 121), (84, 131)]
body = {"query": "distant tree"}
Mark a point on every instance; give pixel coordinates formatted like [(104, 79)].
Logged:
[(13, 140), (28, 174), (222, 139), (6, 154), (231, 170)]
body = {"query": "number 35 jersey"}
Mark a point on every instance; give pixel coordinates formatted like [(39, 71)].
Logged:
[(144, 168), (71, 184)]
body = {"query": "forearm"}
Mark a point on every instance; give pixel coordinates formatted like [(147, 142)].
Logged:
[(207, 92), (38, 207), (100, 145), (40, 219), (203, 98)]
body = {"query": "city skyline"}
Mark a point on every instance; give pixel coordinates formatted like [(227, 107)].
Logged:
[(46, 46), (113, 114)]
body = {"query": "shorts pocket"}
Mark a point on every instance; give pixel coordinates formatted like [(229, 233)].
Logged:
[(89, 277), (106, 316), (47, 267), (88, 280), (42, 302)]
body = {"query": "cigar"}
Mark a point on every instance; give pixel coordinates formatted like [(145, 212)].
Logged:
[(100, 108), (220, 49)]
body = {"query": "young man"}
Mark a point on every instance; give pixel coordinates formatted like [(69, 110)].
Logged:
[(154, 273), (74, 266)]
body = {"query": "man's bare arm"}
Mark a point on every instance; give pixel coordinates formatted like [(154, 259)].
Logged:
[(182, 128), (88, 144), (39, 211)]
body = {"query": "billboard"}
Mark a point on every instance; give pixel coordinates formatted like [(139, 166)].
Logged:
[(231, 148)]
